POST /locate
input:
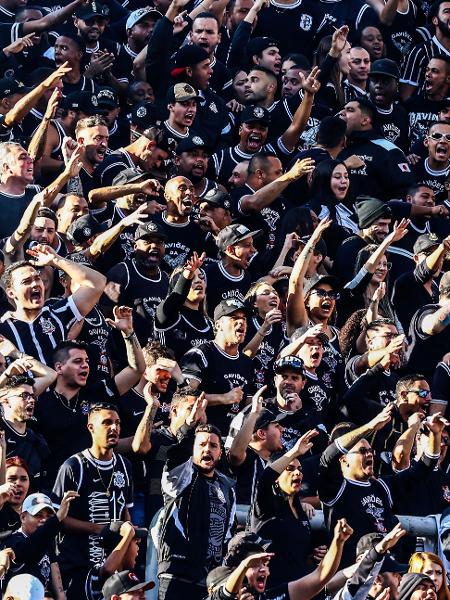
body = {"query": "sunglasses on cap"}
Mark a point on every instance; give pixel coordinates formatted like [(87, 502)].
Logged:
[(436, 136)]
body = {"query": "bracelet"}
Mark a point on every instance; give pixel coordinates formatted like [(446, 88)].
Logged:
[(128, 337), (262, 334)]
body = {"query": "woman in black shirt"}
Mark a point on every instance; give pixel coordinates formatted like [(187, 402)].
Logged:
[(17, 475)]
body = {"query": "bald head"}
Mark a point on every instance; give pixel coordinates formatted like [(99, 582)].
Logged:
[(179, 194)]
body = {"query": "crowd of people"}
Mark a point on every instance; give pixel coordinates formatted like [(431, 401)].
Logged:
[(225, 281)]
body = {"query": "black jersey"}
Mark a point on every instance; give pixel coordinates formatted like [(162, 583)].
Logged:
[(113, 164), (218, 373), (434, 179), (316, 395), (191, 329), (63, 422), (440, 388), (182, 240), (267, 352), (29, 445), (247, 476), (357, 14), (220, 285), (394, 126), (40, 337), (119, 134), (140, 292), (422, 112), (399, 36), (105, 489), (12, 207), (122, 68), (414, 66), (82, 85)]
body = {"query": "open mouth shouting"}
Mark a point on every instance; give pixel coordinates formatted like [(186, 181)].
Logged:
[(188, 119), (254, 142), (442, 151), (260, 582), (36, 296)]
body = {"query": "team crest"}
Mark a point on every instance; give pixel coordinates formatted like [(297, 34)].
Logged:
[(119, 479), (141, 111), (47, 326), (305, 22), (84, 406), (87, 231)]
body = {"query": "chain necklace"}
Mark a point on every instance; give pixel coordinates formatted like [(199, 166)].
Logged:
[(66, 404), (107, 492)]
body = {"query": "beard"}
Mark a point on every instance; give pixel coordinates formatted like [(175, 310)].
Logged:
[(443, 28)]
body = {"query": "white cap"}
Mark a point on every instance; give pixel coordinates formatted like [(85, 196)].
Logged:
[(35, 503), (135, 16), (24, 587)]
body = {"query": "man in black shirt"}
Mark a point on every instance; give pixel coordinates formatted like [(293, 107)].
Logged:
[(92, 136), (434, 169), (220, 368)]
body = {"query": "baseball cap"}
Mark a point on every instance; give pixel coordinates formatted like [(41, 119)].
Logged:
[(233, 234), (242, 545), (35, 503), (250, 114), (191, 143), (409, 583), (135, 16), (10, 86), (110, 534), (289, 362), (93, 9), (188, 56), (83, 228), (181, 92), (85, 102), (265, 418), (310, 284), (385, 66), (107, 97), (148, 230), (322, 337), (228, 307), (146, 114), (390, 565), (122, 583), (25, 586), (217, 198), (425, 242), (129, 176), (259, 44), (217, 576)]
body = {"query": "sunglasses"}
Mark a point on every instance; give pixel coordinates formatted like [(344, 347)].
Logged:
[(436, 136), (386, 265), (24, 395), (363, 451), (326, 294), (421, 393)]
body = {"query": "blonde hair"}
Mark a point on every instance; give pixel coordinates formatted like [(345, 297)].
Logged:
[(417, 565)]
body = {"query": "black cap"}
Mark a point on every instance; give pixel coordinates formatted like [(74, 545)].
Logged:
[(83, 228), (93, 9), (228, 307), (291, 361), (390, 565), (259, 44), (188, 56), (122, 583), (425, 242), (250, 114), (149, 230), (242, 545), (265, 418), (146, 114), (233, 234), (370, 209), (106, 96), (10, 86), (191, 143), (110, 534), (217, 198), (129, 176), (385, 67), (85, 102), (409, 584), (181, 92), (312, 283), (217, 577)]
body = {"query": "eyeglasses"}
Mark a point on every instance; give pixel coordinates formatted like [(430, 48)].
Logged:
[(421, 393), (326, 294), (24, 395), (436, 136), (363, 451), (385, 266)]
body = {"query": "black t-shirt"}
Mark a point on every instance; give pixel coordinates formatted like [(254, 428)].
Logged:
[(394, 126), (182, 240), (440, 388), (119, 134), (247, 475), (422, 112), (218, 373), (113, 164), (267, 352), (29, 445), (399, 36), (12, 207), (357, 14), (105, 489), (434, 179), (63, 423), (220, 285)]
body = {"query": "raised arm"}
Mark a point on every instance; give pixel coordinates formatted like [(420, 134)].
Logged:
[(100, 196), (141, 441), (238, 450), (52, 19), (349, 439), (401, 454), (301, 447), (37, 142), (386, 11)]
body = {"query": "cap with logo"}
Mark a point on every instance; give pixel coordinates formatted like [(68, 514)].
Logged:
[(191, 143), (10, 86), (426, 242), (137, 15), (85, 102), (124, 582), (91, 10), (252, 114), (233, 234), (294, 363), (265, 418), (34, 503), (83, 228), (129, 176), (217, 198), (146, 114), (228, 307), (385, 67), (149, 230), (188, 56), (107, 97), (181, 92)]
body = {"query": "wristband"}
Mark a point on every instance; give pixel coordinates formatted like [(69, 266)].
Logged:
[(127, 337)]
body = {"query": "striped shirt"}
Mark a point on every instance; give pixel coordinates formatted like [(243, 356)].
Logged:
[(39, 337), (419, 57)]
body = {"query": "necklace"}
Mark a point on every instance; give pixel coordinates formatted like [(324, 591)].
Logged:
[(107, 492), (66, 404)]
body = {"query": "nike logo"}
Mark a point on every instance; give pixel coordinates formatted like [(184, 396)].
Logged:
[(138, 413), (11, 441), (95, 480)]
